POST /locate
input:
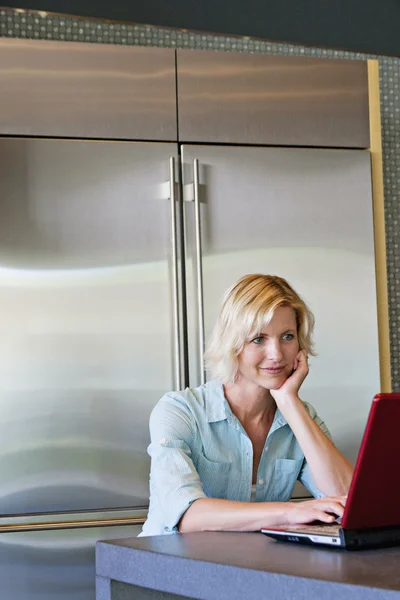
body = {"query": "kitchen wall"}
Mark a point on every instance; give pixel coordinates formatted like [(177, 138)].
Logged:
[(34, 25)]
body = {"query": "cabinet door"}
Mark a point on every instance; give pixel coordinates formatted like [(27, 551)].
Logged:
[(239, 98), (305, 215), (71, 89), (86, 328)]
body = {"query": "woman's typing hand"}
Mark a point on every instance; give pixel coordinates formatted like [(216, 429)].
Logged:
[(326, 509)]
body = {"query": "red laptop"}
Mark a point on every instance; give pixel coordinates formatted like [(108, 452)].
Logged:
[(371, 516)]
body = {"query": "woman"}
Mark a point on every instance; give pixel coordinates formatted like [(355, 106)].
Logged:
[(246, 435)]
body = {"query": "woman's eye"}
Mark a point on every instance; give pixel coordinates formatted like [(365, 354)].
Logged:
[(288, 336), (257, 340)]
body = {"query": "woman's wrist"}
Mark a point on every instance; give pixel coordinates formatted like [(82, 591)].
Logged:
[(289, 403), (288, 508), (289, 398), (273, 514)]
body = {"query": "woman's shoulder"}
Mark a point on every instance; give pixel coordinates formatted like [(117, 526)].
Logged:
[(191, 399)]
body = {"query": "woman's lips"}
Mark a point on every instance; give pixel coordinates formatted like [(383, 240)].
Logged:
[(272, 370)]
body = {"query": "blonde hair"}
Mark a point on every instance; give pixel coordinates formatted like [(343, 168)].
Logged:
[(246, 307)]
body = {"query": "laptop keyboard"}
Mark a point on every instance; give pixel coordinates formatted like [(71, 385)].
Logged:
[(331, 529), (328, 529)]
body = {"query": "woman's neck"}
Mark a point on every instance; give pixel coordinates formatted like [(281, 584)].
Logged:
[(250, 403)]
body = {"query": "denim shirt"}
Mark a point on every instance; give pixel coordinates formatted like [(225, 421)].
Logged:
[(199, 449)]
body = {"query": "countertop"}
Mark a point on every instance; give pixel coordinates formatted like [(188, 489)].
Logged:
[(242, 565)]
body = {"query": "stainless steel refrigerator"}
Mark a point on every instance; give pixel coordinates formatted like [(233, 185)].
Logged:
[(114, 256)]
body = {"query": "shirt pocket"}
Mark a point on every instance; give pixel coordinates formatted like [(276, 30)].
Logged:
[(214, 477), (286, 472)]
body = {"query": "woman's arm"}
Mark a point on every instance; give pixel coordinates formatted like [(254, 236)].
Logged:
[(212, 514), (331, 471)]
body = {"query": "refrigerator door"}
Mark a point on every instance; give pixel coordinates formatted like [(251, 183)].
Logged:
[(53, 564), (86, 320), (242, 98), (305, 215), (73, 89)]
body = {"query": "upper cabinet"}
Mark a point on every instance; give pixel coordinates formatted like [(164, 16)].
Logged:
[(68, 89), (99, 91), (237, 98)]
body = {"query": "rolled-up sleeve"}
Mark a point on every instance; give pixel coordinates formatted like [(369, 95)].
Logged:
[(173, 477), (305, 475)]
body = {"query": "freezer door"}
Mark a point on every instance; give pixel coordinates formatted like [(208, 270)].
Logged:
[(86, 320), (305, 215), (53, 564), (72, 89), (242, 98)]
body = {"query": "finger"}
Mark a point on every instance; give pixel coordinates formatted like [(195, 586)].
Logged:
[(341, 499), (325, 517), (302, 358), (336, 508), (301, 355), (333, 498), (332, 506)]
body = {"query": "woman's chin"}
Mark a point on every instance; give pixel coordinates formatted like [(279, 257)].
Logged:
[(275, 387), (274, 383)]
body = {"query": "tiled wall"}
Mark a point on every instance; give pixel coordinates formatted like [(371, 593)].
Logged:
[(25, 24)]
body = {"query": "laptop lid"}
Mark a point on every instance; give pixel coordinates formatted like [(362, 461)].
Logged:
[(374, 495)]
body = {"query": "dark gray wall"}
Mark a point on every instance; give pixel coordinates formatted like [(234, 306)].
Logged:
[(359, 25), (33, 25)]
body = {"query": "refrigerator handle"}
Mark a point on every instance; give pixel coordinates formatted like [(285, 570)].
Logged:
[(175, 283), (199, 268)]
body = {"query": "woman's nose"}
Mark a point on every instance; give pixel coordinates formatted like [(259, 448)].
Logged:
[(274, 350)]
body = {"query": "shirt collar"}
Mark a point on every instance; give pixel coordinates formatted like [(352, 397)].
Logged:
[(218, 409), (279, 421), (217, 406)]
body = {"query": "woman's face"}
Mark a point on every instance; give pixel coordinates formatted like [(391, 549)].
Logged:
[(268, 359)]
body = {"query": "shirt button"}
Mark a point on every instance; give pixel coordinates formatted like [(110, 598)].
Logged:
[(163, 440), (261, 481), (266, 448)]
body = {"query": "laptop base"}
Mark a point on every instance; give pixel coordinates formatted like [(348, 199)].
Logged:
[(346, 539), (310, 539)]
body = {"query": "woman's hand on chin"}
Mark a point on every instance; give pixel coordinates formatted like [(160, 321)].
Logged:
[(289, 390)]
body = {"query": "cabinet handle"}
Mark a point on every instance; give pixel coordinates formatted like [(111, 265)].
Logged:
[(199, 268), (175, 283)]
